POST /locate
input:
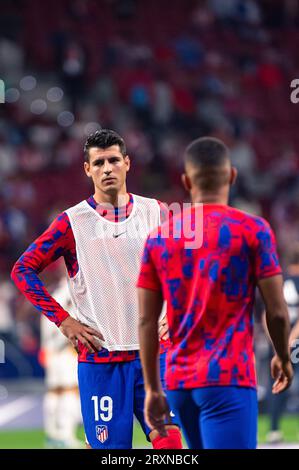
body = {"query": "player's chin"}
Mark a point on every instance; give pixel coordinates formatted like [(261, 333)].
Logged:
[(110, 187)]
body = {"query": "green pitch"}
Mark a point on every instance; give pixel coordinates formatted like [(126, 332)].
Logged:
[(34, 439)]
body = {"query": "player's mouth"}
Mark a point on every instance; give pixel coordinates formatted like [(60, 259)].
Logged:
[(108, 180)]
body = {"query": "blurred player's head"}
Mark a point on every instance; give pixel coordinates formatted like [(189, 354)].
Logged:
[(208, 170), (106, 161)]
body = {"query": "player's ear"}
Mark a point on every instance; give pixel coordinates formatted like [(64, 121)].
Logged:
[(186, 182), (87, 169), (233, 175), (127, 162)]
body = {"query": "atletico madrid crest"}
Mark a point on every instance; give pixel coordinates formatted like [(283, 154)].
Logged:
[(102, 433)]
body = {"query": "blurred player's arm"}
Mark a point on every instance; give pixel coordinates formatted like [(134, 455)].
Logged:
[(276, 316), (56, 241), (150, 304), (270, 283)]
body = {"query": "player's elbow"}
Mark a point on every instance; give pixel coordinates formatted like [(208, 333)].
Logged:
[(17, 271), (14, 273), (144, 321), (147, 326)]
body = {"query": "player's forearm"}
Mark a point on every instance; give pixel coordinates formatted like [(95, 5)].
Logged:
[(279, 329), (149, 353), (150, 306), (277, 317), (28, 282)]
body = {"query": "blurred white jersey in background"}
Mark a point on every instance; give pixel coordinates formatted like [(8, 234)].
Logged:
[(61, 402)]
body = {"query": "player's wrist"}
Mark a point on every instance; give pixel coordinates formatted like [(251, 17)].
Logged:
[(66, 320), (62, 319), (284, 358), (157, 391)]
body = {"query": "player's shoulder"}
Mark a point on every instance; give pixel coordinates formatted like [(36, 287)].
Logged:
[(81, 211), (145, 200), (60, 222), (58, 231), (248, 218), (62, 217), (77, 207), (146, 205)]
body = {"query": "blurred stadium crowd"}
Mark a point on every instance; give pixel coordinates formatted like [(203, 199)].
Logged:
[(160, 73)]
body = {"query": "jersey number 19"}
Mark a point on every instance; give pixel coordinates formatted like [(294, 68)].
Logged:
[(106, 408)]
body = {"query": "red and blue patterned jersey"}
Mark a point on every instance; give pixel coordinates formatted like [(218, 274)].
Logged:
[(58, 241), (210, 292)]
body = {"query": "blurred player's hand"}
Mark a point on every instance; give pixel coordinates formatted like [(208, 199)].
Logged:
[(282, 373), (76, 331), (163, 329), (157, 412)]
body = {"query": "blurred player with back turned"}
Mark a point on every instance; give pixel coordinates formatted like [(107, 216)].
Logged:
[(210, 291), (101, 240)]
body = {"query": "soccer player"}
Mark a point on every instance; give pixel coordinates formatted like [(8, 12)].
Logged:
[(209, 289), (61, 402), (101, 240)]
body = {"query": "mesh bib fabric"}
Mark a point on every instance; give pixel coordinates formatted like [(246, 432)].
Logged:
[(109, 255)]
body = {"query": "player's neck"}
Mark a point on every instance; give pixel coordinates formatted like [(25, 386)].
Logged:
[(117, 200), (203, 198)]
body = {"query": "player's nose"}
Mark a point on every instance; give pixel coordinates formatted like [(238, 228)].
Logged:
[(107, 168)]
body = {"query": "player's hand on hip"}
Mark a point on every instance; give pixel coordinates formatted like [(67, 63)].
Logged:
[(157, 412), (76, 331), (282, 373), (163, 328)]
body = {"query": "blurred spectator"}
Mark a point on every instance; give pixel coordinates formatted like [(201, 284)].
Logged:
[(8, 160), (162, 103), (11, 60), (73, 61), (269, 71)]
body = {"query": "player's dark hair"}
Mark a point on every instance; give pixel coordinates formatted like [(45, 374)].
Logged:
[(104, 139), (208, 155)]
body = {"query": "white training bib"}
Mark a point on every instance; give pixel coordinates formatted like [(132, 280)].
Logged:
[(109, 255)]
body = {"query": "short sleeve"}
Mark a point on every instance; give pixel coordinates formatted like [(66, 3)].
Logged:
[(266, 262), (148, 276)]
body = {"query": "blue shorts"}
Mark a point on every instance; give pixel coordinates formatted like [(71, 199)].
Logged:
[(111, 394), (217, 417)]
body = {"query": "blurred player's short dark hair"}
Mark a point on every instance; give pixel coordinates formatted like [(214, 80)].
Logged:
[(208, 156), (104, 139), (207, 152)]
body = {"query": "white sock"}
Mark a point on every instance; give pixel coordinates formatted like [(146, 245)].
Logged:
[(50, 412), (68, 416)]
